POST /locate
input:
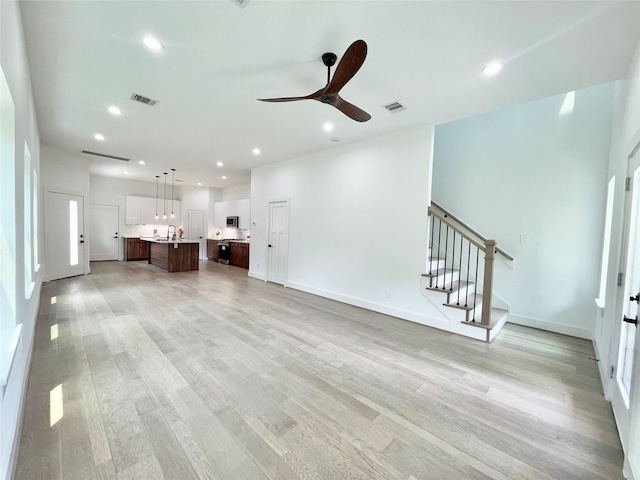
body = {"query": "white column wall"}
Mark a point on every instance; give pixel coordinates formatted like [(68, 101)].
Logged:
[(358, 222)]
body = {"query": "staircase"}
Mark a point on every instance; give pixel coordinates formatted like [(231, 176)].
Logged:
[(459, 276)]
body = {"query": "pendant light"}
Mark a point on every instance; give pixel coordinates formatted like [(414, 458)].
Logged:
[(157, 180), (173, 183), (164, 215)]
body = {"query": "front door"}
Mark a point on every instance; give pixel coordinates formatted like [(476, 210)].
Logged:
[(278, 242), (625, 401), (64, 235), (105, 241), (195, 221)]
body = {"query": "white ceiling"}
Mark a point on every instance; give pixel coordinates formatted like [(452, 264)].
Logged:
[(219, 58)]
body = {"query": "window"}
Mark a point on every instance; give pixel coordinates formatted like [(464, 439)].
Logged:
[(8, 330), (28, 225), (606, 243)]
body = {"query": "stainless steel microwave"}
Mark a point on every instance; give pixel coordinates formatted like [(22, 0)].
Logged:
[(232, 222)]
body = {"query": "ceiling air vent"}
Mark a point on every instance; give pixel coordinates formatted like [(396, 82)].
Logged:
[(240, 3), (394, 107), (87, 152), (142, 99)]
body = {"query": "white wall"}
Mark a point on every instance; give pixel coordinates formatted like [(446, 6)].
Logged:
[(14, 64), (525, 170), (238, 192), (357, 222)]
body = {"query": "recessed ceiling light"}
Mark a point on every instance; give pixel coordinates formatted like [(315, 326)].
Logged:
[(491, 69), (200, 184), (328, 127), (220, 164), (126, 173), (224, 177), (256, 151), (141, 162), (115, 110), (152, 43), (335, 139), (99, 136)]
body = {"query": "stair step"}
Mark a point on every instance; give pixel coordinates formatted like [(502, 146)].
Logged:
[(442, 276), (467, 303), (452, 289)]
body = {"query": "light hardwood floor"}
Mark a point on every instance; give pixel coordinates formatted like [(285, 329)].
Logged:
[(215, 375)]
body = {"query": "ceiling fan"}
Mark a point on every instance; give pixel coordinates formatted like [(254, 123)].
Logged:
[(350, 63)]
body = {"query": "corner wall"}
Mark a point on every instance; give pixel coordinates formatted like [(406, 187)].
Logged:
[(14, 63), (527, 170), (357, 222)]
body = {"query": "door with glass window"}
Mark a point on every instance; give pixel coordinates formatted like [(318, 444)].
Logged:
[(64, 235), (626, 407)]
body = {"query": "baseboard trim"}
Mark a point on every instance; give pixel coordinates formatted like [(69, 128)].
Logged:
[(258, 276), (551, 326), (15, 446)]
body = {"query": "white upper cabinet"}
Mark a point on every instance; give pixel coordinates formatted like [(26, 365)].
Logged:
[(148, 211), (142, 211), (132, 210), (233, 208)]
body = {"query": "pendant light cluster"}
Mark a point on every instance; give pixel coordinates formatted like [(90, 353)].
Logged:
[(165, 200)]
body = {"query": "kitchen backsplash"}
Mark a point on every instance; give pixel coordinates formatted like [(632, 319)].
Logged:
[(147, 231)]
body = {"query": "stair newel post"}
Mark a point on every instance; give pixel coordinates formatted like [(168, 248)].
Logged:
[(487, 288)]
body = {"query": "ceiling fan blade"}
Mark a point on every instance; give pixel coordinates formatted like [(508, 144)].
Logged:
[(350, 110), (349, 64), (313, 96)]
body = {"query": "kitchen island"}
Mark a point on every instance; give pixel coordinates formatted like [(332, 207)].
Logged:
[(174, 255)]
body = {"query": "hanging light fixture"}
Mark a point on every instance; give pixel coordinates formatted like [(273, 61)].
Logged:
[(157, 180), (173, 183), (164, 215)]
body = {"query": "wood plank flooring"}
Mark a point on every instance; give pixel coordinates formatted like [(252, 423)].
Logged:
[(214, 375)]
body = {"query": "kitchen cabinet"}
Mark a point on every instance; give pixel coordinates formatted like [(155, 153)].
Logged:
[(174, 256), (233, 208), (239, 254), (212, 250), (142, 211), (132, 210), (148, 211), (135, 249)]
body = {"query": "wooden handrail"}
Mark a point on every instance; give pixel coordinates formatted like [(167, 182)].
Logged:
[(453, 227), (467, 227)]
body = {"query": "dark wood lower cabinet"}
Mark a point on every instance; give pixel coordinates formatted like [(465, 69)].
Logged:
[(212, 250), (136, 249), (174, 257), (239, 254)]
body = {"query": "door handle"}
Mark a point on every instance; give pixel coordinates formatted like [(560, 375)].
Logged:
[(269, 246), (632, 321), (115, 236), (81, 241), (635, 299)]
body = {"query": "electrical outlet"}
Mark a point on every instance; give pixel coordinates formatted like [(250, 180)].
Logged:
[(386, 293), (524, 239), (258, 266), (297, 275)]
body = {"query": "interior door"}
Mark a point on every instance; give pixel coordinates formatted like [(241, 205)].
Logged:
[(625, 401), (103, 229), (64, 235), (195, 226), (278, 246)]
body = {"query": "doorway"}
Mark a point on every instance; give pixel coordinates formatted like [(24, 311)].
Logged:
[(103, 231), (64, 235), (624, 400), (278, 241), (195, 226)]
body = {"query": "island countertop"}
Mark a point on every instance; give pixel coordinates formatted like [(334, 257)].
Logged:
[(161, 240)]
